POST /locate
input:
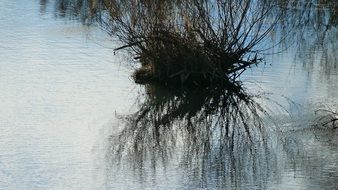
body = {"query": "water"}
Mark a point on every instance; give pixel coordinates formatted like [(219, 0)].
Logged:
[(64, 95)]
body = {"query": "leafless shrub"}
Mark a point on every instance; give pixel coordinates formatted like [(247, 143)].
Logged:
[(193, 41)]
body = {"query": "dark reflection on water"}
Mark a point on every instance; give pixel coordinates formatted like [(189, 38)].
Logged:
[(311, 26), (87, 11), (218, 137), (43, 6), (217, 132)]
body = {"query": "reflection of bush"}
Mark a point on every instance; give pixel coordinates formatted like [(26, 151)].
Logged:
[(326, 118), (311, 26), (219, 137), (88, 11), (213, 126)]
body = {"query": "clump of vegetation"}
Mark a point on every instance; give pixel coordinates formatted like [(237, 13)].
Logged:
[(203, 41), (190, 42)]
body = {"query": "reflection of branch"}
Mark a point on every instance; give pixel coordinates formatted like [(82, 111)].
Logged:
[(313, 31), (213, 124), (329, 117)]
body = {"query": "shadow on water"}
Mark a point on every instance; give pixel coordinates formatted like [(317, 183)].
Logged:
[(218, 137), (86, 11), (311, 26), (217, 133)]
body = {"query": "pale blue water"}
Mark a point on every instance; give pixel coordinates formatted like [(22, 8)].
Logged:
[(63, 90)]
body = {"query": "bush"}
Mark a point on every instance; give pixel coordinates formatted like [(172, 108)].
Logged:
[(190, 42)]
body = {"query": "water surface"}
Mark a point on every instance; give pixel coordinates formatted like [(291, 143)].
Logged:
[(67, 103)]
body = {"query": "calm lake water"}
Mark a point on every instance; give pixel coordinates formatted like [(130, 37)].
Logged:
[(69, 109)]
